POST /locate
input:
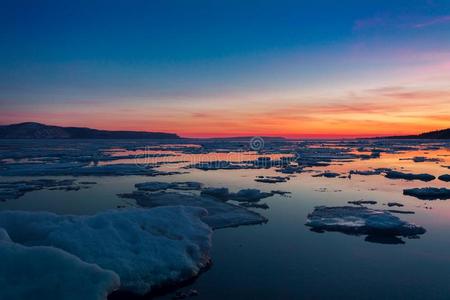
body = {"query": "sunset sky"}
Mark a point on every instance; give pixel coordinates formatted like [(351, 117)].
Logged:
[(228, 68)]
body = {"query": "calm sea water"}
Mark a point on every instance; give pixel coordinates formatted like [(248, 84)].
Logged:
[(283, 259)]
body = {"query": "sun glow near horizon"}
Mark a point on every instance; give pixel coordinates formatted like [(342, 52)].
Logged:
[(369, 70)]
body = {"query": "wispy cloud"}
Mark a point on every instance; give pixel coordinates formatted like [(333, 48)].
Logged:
[(433, 21)]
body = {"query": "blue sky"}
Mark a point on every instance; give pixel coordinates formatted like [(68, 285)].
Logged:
[(66, 55)]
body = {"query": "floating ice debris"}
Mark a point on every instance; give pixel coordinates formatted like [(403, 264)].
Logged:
[(278, 192), (369, 172), (445, 177), (390, 204), (249, 195), (254, 205), (360, 220), (144, 247), (41, 272), (323, 156), (405, 212), (186, 185), (219, 193), (16, 189), (291, 169), (424, 159), (159, 186), (409, 176), (361, 202), (327, 175), (80, 169), (428, 193), (218, 165), (41, 169), (152, 186), (220, 214), (271, 179)]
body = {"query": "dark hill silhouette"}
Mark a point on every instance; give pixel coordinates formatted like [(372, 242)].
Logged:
[(443, 134), (32, 130)]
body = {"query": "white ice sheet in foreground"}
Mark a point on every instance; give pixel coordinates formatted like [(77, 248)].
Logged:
[(43, 273), (144, 247)]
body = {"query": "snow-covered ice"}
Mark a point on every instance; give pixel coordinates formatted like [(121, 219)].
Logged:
[(144, 247), (16, 189), (43, 272), (360, 220), (220, 214), (154, 186), (249, 195), (80, 169), (221, 193)]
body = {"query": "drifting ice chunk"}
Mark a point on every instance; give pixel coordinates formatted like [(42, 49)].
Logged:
[(249, 195), (409, 176), (145, 247), (81, 169), (327, 175), (361, 202), (16, 189), (390, 204), (49, 273), (360, 220), (428, 193), (445, 177), (154, 186), (219, 193), (271, 179), (220, 214), (424, 159)]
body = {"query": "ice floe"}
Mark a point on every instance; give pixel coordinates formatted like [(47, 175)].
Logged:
[(360, 220), (409, 176), (428, 193), (220, 214), (419, 159), (43, 272), (445, 177), (146, 248), (271, 179), (361, 202), (249, 195), (159, 186), (327, 175), (391, 204), (16, 189), (221, 193), (80, 169)]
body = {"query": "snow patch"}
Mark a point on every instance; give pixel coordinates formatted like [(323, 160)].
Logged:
[(145, 247), (360, 220), (42, 272)]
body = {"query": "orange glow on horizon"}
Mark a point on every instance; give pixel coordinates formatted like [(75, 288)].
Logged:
[(369, 113)]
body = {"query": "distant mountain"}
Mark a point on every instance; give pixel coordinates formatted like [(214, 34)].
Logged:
[(443, 134), (31, 130)]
